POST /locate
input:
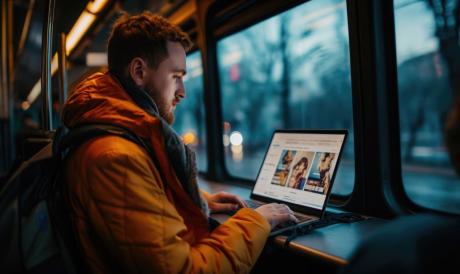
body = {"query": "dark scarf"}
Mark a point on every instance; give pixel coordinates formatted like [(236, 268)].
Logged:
[(181, 157)]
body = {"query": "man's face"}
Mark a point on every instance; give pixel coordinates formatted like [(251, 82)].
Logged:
[(165, 84)]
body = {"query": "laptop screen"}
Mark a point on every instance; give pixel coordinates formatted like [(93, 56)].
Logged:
[(299, 167)]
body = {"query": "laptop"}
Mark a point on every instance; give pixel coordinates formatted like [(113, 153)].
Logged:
[(299, 170)]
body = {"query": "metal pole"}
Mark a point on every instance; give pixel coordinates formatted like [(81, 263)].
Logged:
[(26, 28), (4, 108), (62, 54), (6, 77), (47, 43)]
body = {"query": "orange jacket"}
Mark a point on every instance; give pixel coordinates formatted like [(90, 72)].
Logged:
[(127, 218)]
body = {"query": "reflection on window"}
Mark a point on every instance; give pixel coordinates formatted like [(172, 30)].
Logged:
[(428, 71), (290, 71), (190, 122)]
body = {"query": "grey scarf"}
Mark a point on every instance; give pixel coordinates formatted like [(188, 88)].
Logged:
[(181, 157)]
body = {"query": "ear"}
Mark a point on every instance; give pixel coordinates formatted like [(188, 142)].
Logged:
[(137, 71)]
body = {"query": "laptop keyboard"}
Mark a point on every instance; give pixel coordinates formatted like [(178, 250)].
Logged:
[(302, 218), (252, 204)]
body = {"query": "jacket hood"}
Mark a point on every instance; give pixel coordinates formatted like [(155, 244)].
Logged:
[(101, 99)]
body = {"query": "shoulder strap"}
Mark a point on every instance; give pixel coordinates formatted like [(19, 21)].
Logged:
[(65, 141)]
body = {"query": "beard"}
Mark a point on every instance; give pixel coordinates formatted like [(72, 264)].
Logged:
[(165, 113), (164, 107)]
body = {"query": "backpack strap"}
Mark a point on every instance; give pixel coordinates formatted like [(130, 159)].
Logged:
[(66, 140)]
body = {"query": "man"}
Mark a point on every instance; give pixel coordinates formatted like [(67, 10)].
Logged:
[(135, 214)]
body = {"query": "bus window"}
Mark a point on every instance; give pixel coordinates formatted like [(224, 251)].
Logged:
[(189, 122), (427, 47), (289, 71)]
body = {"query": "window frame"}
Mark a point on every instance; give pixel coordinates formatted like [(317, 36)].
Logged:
[(378, 188), (196, 49), (396, 187), (374, 67)]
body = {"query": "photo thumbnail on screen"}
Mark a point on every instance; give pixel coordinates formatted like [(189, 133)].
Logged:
[(320, 176), (300, 169), (283, 167)]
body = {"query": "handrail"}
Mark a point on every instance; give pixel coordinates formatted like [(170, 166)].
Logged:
[(62, 68), (47, 44), (26, 28)]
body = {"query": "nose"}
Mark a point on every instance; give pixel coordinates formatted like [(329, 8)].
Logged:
[(180, 92)]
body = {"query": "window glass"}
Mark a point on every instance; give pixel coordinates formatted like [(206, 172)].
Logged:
[(428, 71), (289, 71), (190, 121)]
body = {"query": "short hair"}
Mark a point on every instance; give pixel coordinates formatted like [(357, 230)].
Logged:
[(144, 35)]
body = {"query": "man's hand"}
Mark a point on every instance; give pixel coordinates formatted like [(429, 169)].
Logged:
[(223, 202), (276, 214)]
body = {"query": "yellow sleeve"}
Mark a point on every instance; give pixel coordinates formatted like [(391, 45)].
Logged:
[(142, 229)]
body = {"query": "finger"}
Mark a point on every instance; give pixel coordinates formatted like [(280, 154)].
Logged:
[(289, 217), (282, 208), (288, 209), (277, 207), (241, 203), (283, 217), (232, 198), (224, 207), (225, 196)]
